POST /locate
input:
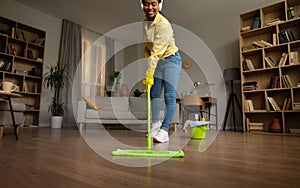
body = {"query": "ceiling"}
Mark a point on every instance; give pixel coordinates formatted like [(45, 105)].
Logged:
[(98, 15), (104, 15)]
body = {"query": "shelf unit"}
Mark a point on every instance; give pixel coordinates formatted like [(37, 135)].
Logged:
[(22, 50), (270, 67)]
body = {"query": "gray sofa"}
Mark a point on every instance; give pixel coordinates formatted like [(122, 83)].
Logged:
[(116, 110)]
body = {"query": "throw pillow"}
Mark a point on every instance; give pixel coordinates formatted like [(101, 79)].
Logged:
[(91, 103)]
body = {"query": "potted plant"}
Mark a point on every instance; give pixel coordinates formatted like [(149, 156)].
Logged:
[(56, 79), (137, 93)]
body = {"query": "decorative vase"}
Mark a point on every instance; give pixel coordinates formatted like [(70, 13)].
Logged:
[(116, 85), (275, 126), (124, 90)]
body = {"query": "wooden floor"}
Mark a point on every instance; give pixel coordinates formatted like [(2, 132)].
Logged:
[(45, 157)]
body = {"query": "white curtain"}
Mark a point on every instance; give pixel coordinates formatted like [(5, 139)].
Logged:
[(93, 68)]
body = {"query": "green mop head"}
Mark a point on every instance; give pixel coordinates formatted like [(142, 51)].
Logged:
[(148, 152)]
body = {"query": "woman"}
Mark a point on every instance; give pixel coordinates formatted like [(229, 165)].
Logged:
[(164, 66)]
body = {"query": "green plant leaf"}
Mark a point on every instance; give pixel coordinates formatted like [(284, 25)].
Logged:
[(56, 78)]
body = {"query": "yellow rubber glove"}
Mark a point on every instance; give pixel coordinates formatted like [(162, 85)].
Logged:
[(149, 80)]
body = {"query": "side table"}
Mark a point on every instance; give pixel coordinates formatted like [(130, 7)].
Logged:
[(8, 96)]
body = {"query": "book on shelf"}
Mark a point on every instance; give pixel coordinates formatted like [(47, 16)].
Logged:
[(261, 43), (284, 103), (274, 82), (270, 62), (2, 64), (258, 44), (274, 39), (294, 131), (274, 104), (25, 52), (20, 35), (288, 104), (256, 23), (250, 86), (254, 126), (267, 105), (286, 81), (283, 59), (42, 41), (30, 54), (265, 43), (13, 29), (248, 105), (291, 13), (8, 66), (290, 36), (249, 47), (39, 59), (259, 110), (246, 28), (289, 80), (273, 22), (250, 83), (294, 58), (247, 64), (39, 41), (247, 121), (286, 36), (296, 106), (23, 36)]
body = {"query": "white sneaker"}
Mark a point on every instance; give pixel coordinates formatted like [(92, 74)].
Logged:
[(154, 129), (162, 136)]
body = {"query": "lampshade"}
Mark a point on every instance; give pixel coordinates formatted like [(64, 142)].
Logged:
[(232, 74)]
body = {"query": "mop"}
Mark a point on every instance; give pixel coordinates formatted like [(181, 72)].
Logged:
[(148, 152)]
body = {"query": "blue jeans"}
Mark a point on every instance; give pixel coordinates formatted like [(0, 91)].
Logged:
[(166, 79)]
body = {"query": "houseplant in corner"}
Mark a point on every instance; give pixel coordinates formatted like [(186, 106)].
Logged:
[(56, 79)]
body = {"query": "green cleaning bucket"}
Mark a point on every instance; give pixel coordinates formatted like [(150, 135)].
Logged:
[(198, 132)]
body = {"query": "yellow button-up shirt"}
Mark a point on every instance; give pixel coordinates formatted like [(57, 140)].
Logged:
[(159, 40)]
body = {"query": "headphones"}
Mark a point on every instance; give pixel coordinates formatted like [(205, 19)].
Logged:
[(160, 5)]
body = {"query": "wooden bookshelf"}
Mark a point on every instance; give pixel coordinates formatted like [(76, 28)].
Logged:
[(22, 50), (275, 75)]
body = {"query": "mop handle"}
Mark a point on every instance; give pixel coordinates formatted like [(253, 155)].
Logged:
[(149, 117)]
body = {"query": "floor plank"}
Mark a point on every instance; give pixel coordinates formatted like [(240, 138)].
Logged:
[(45, 157)]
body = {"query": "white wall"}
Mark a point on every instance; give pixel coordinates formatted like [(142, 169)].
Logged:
[(217, 27), (26, 15)]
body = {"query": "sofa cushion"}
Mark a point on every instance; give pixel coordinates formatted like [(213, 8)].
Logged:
[(138, 107), (5, 118), (17, 106), (110, 114), (137, 104), (112, 103)]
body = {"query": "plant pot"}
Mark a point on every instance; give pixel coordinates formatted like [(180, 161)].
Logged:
[(56, 122)]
